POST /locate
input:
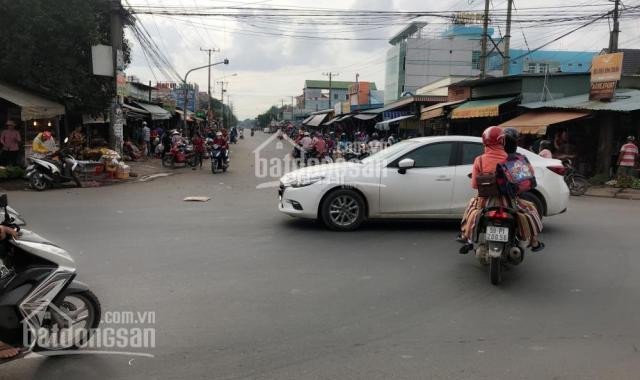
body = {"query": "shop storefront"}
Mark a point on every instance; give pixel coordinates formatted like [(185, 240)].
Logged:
[(32, 113)]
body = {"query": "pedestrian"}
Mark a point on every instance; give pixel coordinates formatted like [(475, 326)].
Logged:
[(76, 141), (10, 140), (628, 158), (198, 148), (146, 138)]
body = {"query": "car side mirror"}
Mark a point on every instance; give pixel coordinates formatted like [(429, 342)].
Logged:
[(405, 164)]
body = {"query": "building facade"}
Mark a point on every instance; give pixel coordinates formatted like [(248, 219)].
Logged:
[(415, 60), (316, 94)]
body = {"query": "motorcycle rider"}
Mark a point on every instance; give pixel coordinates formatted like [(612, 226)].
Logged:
[(494, 140), (43, 144), (7, 351)]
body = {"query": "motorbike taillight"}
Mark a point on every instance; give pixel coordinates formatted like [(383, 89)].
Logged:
[(498, 214)]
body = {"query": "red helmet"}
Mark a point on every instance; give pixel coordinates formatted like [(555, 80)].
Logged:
[(493, 136)]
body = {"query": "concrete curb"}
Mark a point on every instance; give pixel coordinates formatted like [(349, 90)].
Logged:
[(612, 192)]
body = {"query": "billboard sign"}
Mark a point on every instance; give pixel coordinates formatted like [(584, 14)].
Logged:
[(606, 71)]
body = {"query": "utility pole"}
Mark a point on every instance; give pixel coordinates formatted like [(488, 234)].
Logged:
[(282, 107), (485, 37), (331, 75), (117, 119), (293, 110), (506, 61), (613, 37), (209, 80), (222, 91)]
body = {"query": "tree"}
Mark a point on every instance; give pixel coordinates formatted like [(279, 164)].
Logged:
[(265, 119), (230, 118), (45, 46)]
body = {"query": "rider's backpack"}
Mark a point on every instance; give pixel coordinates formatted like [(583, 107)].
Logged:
[(487, 184), (518, 175)]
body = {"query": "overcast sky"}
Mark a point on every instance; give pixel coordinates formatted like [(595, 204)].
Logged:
[(273, 68)]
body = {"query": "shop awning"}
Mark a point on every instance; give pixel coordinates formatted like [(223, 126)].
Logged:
[(332, 120), (157, 113), (317, 120), (189, 115), (305, 121), (536, 123), (32, 106), (436, 110), (135, 112), (100, 119), (345, 117), (365, 117), (384, 125), (625, 100), (479, 108)]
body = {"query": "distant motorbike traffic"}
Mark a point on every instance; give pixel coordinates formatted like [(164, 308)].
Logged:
[(180, 154)]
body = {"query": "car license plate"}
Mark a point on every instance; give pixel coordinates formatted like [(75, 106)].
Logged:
[(500, 234)]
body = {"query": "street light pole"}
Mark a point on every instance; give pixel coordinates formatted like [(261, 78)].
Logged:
[(186, 88)]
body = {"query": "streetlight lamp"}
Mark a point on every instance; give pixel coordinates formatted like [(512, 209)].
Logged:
[(186, 88)]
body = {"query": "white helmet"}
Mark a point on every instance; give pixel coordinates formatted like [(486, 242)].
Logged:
[(218, 134), (306, 133)]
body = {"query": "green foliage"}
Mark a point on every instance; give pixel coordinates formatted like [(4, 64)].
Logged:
[(624, 182), (11, 172), (45, 46), (599, 179), (265, 119), (636, 184)]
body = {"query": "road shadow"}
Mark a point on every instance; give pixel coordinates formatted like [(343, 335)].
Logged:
[(378, 225)]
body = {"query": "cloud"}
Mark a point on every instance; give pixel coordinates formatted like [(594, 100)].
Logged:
[(274, 67)]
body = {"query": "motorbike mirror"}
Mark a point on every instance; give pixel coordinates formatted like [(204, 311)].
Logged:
[(469, 175), (4, 202)]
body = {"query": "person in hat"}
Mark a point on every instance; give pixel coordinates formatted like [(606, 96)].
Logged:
[(146, 138), (10, 140), (628, 158)]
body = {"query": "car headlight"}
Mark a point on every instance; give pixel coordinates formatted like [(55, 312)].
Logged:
[(301, 181)]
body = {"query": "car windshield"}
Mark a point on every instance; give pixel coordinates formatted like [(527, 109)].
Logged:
[(390, 152)]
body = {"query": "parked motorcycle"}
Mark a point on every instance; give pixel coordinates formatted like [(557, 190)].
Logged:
[(498, 244), (577, 183), (219, 158), (56, 169), (42, 305), (180, 154)]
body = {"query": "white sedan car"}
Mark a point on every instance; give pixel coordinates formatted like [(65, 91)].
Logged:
[(422, 178)]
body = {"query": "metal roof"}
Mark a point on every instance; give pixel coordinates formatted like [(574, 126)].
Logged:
[(402, 102), (407, 32), (508, 78), (32, 106), (626, 100)]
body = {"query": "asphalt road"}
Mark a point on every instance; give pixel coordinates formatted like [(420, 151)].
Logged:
[(240, 291)]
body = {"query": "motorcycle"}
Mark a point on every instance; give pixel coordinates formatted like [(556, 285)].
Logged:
[(252, 132), (351, 155), (219, 158), (46, 172), (42, 305), (242, 134), (498, 244), (577, 183), (180, 154)]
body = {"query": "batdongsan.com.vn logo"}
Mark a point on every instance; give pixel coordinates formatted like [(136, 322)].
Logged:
[(65, 332), (279, 155)]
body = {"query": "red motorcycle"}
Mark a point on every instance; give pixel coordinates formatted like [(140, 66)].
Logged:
[(180, 154)]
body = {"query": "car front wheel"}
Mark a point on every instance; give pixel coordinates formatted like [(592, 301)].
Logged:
[(343, 210)]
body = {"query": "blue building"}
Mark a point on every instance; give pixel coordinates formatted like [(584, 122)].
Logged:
[(556, 61)]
